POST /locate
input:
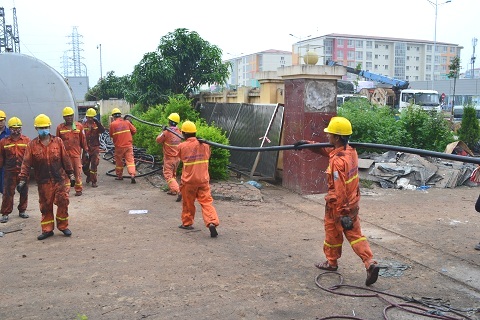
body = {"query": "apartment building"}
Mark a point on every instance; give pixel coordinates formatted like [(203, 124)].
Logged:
[(245, 67), (405, 59)]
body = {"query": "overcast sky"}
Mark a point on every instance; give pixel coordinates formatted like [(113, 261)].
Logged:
[(127, 29)]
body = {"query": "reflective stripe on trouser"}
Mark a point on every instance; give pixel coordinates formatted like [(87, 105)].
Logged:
[(90, 164), (170, 166), (120, 154), (332, 246), (11, 181), (77, 172), (53, 194), (204, 197)]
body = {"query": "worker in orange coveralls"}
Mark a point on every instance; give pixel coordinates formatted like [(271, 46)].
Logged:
[(195, 181), (51, 164), (342, 200), (12, 150), (121, 132), (170, 142), (73, 136), (90, 159)]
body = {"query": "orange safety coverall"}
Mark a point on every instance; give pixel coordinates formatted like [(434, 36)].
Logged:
[(195, 182), (90, 163), (11, 157), (343, 198), (121, 132), (51, 165), (74, 140), (171, 160)]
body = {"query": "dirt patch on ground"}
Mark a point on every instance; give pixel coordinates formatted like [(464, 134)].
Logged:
[(118, 265)]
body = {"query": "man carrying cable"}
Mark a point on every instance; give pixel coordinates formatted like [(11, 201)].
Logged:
[(90, 159), (170, 142)]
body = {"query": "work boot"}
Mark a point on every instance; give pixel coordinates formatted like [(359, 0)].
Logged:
[(132, 180), (186, 227), (118, 178), (94, 185), (213, 230), (372, 274), (179, 197), (88, 179), (326, 266), (45, 235), (23, 215), (477, 247), (67, 232), (4, 219), (78, 193)]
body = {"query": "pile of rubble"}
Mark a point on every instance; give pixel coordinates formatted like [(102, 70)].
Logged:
[(410, 171)]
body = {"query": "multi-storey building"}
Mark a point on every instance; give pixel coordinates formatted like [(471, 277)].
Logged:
[(245, 67), (405, 59)]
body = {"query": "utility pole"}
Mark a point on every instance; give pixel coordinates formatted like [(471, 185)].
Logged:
[(474, 43)]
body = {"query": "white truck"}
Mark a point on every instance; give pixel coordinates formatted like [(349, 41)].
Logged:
[(426, 99)]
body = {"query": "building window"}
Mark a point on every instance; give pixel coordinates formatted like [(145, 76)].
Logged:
[(351, 55), (340, 43), (386, 57), (417, 58), (376, 67), (429, 58), (453, 50), (416, 68), (386, 46), (428, 68), (368, 65), (416, 78), (359, 44), (350, 44), (376, 56), (386, 67), (340, 54), (429, 48), (408, 68), (369, 44), (418, 49), (376, 46), (408, 58), (359, 55), (369, 55), (408, 48)]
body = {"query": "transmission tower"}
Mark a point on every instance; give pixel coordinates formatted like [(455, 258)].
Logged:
[(9, 38), (71, 59)]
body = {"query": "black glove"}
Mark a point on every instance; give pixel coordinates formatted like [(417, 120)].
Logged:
[(201, 140), (347, 222), (20, 186), (164, 128), (299, 143), (72, 180)]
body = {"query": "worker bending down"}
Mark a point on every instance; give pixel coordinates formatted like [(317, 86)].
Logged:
[(342, 200), (195, 181)]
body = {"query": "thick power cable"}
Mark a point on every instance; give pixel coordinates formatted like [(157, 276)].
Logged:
[(420, 152)]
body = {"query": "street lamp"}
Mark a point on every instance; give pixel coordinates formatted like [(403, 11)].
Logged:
[(101, 73), (299, 47), (435, 4)]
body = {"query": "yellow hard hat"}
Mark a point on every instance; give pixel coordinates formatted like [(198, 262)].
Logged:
[(67, 111), (174, 117), (14, 122), (91, 112), (189, 127), (42, 121), (3, 116), (340, 126), (116, 111)]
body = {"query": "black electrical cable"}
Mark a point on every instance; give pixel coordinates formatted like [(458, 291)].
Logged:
[(420, 152), (427, 312)]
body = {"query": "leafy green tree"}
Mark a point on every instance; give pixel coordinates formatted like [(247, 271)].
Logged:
[(454, 68), (469, 131), (181, 64), (109, 87)]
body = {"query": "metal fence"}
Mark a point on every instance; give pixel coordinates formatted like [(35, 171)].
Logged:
[(248, 125)]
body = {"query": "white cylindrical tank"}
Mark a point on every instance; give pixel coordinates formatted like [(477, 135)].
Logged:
[(29, 87)]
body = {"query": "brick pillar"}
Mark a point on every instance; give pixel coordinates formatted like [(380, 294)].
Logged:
[(310, 102)]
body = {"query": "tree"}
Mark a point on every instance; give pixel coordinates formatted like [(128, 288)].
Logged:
[(181, 64), (454, 68), (109, 87), (469, 131)]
